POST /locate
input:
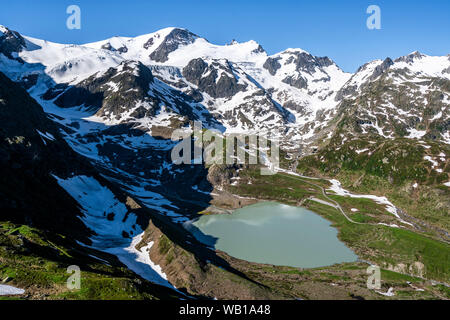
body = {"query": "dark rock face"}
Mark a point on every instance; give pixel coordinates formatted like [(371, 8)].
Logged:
[(308, 63), (272, 65), (28, 192), (382, 68), (206, 77), (195, 95), (10, 42), (55, 91), (175, 39), (29, 81), (149, 43), (259, 49), (109, 47), (86, 95), (345, 91), (112, 92), (194, 70), (410, 57), (122, 49), (297, 82), (293, 105)]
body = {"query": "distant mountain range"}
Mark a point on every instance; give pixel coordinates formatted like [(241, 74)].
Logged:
[(237, 86)]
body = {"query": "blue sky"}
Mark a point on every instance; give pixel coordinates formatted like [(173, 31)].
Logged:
[(325, 28)]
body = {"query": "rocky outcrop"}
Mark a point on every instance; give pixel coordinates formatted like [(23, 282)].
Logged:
[(11, 42), (306, 62), (215, 78), (296, 81), (382, 68), (109, 47), (345, 91), (114, 91), (272, 65), (31, 151), (188, 271), (410, 57), (175, 39), (446, 70)]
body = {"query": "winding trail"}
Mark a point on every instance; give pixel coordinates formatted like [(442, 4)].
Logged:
[(324, 193), (293, 174), (336, 205)]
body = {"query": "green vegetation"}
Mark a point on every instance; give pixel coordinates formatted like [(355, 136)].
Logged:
[(396, 160), (385, 246), (283, 187), (37, 262), (395, 168), (388, 246)]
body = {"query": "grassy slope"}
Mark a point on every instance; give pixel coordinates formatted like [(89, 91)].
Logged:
[(380, 244), (390, 168), (37, 262)]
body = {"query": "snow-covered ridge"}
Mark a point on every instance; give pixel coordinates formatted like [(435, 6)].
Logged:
[(2, 30), (424, 65), (291, 90), (414, 64)]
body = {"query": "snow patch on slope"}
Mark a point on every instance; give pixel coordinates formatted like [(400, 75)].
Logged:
[(6, 290), (337, 189), (110, 220)]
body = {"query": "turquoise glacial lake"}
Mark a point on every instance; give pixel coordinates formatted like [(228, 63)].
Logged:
[(273, 233)]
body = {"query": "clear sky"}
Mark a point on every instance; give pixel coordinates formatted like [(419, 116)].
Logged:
[(325, 28)]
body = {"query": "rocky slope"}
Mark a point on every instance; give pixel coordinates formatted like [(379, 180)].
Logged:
[(408, 97), (42, 227)]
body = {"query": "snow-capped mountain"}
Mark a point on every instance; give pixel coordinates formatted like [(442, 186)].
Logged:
[(408, 97), (236, 84), (235, 87)]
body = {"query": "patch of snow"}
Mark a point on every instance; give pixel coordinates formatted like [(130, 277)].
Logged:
[(109, 219), (139, 261), (389, 293), (437, 116), (361, 151), (416, 134), (337, 188), (434, 163), (6, 290), (46, 135), (392, 225)]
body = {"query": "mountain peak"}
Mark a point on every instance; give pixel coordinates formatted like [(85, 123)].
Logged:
[(3, 30), (293, 51), (416, 55), (11, 42), (175, 38)]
